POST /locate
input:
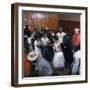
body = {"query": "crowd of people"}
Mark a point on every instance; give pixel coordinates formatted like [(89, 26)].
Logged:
[(50, 52)]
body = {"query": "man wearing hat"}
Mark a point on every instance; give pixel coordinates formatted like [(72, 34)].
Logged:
[(41, 66)]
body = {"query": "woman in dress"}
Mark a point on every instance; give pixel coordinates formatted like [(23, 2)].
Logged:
[(58, 60)]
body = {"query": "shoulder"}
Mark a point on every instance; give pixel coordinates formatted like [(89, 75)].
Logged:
[(63, 33), (58, 33), (42, 38)]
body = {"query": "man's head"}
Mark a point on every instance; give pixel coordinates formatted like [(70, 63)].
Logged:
[(76, 30), (60, 29)]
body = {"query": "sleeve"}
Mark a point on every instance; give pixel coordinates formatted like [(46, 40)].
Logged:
[(57, 34), (47, 40)]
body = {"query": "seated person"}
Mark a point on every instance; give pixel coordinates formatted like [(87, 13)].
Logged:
[(41, 67)]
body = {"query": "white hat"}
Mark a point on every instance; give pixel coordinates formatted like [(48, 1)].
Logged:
[(32, 56)]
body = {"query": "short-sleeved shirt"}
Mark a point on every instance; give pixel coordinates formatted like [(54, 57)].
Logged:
[(60, 36), (44, 41)]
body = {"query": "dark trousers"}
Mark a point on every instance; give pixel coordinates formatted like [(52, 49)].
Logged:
[(50, 53), (68, 57), (45, 52)]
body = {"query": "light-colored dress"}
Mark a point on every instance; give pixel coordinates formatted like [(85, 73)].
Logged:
[(58, 60), (29, 39)]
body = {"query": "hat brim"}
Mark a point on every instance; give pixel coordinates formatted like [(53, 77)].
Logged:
[(32, 58)]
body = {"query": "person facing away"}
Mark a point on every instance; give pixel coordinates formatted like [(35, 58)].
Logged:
[(37, 46), (60, 35), (41, 65)]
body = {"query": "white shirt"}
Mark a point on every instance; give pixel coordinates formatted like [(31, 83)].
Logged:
[(60, 36), (44, 41), (37, 49)]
